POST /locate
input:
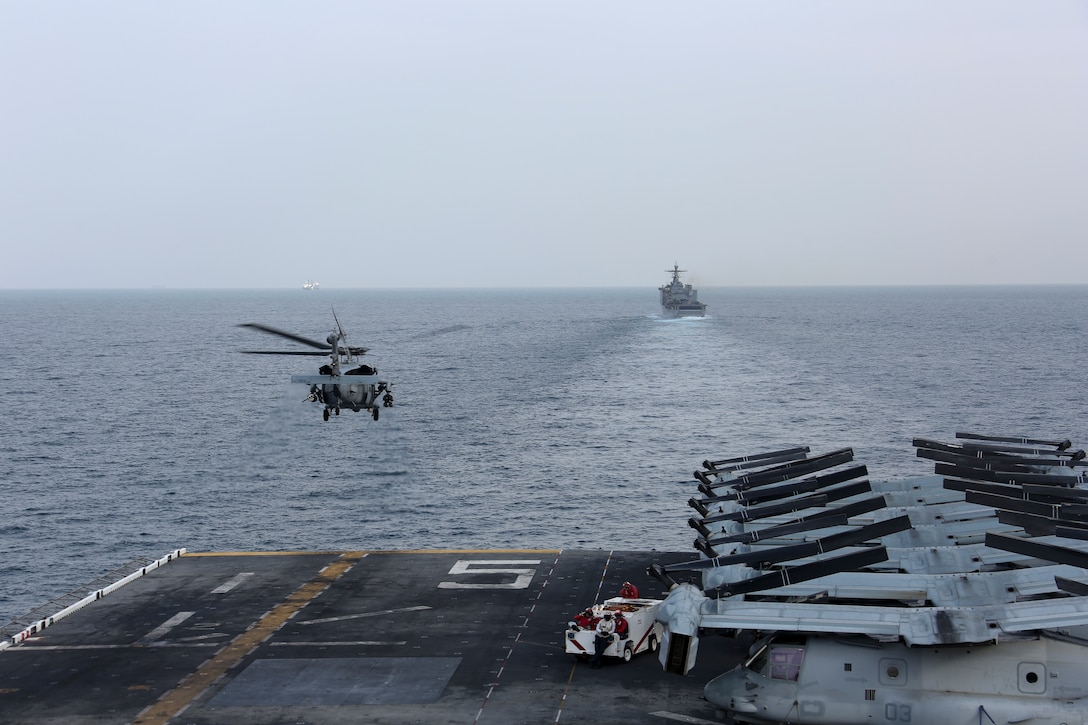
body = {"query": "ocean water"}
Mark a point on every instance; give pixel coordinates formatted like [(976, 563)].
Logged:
[(131, 425)]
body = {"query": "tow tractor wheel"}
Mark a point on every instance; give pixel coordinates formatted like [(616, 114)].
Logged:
[(628, 652), (325, 413), (653, 643)]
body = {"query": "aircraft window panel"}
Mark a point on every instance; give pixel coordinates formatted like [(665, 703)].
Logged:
[(786, 663), (1032, 677), (893, 672)]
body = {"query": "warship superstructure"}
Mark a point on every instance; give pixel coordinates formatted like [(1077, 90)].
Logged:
[(679, 299)]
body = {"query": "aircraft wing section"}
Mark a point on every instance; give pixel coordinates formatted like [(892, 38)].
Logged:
[(965, 590), (1043, 614), (788, 617), (915, 626)]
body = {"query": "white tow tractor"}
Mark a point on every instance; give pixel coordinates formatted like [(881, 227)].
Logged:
[(643, 633)]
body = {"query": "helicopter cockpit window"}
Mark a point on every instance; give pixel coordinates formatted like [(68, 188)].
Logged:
[(786, 662)]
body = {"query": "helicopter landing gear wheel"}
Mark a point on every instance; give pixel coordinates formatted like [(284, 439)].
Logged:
[(325, 413), (387, 400), (336, 410), (375, 412)]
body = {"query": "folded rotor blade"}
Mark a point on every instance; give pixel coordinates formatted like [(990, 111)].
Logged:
[(1015, 477), (725, 462), (986, 462), (772, 532), (1037, 550), (1023, 451), (1060, 445), (1061, 511), (777, 474), (994, 456), (805, 572), (761, 512), (1056, 492), (771, 493), (776, 554), (1071, 586), (1039, 525)]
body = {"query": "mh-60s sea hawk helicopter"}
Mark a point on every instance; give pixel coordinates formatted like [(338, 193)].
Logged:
[(357, 388)]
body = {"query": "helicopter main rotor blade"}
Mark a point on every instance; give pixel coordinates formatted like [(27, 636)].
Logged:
[(1041, 525), (726, 463), (778, 554), (285, 352), (1037, 549), (798, 503), (1060, 445), (1022, 451), (1059, 511), (339, 328), (1071, 586), (772, 493), (769, 493), (1009, 477), (771, 532), (992, 457), (288, 335), (777, 474), (802, 573)]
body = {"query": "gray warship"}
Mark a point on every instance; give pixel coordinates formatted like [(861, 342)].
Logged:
[(679, 299)]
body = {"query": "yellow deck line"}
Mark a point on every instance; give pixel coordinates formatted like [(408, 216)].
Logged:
[(261, 553), (174, 701)]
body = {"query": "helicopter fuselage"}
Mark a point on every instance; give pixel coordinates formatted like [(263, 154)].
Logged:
[(843, 681), (356, 389), (354, 392)]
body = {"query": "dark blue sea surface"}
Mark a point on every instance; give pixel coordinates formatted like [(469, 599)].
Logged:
[(530, 418)]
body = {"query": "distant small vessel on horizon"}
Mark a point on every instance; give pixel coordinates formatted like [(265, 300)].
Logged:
[(679, 299), (310, 284)]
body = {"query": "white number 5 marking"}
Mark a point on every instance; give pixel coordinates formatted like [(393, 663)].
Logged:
[(486, 566)]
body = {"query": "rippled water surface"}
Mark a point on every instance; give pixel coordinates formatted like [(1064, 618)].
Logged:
[(533, 418)]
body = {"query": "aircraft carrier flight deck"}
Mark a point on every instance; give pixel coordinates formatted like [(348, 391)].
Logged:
[(352, 637)]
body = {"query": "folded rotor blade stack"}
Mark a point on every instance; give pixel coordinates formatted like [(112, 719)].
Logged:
[(1039, 487), (795, 542), (1034, 485), (785, 516)]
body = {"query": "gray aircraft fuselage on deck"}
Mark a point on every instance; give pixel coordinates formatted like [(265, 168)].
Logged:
[(337, 637)]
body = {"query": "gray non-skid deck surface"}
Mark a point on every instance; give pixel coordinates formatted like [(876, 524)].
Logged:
[(399, 637), (338, 681)]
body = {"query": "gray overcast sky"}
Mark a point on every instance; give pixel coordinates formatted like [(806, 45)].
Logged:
[(511, 143)]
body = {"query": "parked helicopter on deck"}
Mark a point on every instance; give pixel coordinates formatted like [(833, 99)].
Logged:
[(343, 382), (957, 598)]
